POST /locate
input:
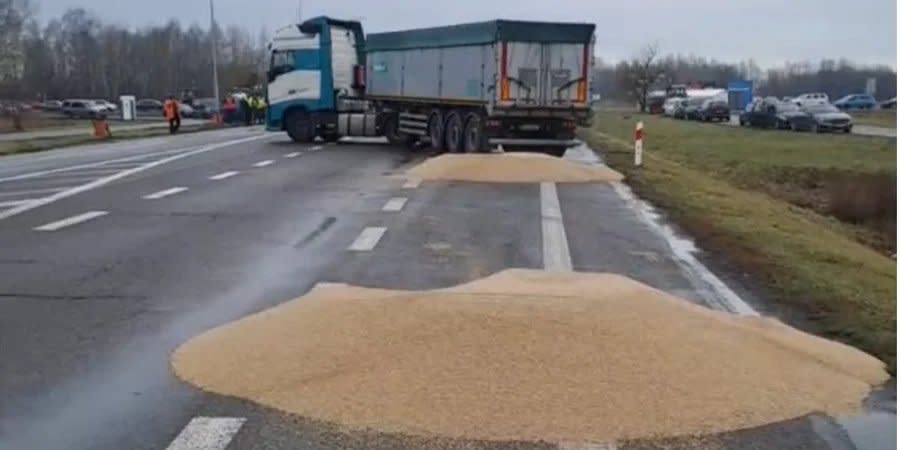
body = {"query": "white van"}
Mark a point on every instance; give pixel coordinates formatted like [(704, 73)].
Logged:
[(814, 98)]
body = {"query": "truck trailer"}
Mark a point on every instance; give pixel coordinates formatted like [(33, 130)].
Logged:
[(461, 88)]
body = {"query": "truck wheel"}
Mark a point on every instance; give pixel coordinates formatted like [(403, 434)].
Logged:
[(453, 132), (299, 127), (436, 130), (473, 138), (557, 151)]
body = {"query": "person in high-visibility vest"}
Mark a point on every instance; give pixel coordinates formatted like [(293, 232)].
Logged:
[(259, 109), (172, 114)]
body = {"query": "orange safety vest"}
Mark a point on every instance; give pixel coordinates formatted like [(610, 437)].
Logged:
[(170, 108)]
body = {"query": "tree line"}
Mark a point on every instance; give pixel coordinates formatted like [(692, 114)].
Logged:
[(78, 55), (631, 80)]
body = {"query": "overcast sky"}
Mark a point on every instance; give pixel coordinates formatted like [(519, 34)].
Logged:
[(770, 31)]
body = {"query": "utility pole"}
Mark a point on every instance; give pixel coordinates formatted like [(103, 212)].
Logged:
[(215, 51)]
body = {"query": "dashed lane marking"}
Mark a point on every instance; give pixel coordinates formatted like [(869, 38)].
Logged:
[(207, 433), (315, 148), (292, 155), (74, 220), (368, 239), (165, 193), (106, 180), (412, 183), (224, 175), (553, 232), (263, 163), (395, 204)]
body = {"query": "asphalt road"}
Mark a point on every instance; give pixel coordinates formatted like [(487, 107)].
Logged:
[(115, 254), (84, 127)]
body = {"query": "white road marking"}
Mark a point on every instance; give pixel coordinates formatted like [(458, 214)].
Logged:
[(224, 175), (96, 164), (412, 183), (106, 180), (31, 192), (368, 239), (553, 232), (292, 155), (53, 226), (395, 204), (263, 163), (328, 285), (165, 193), (315, 148), (207, 433), (711, 288), (15, 202)]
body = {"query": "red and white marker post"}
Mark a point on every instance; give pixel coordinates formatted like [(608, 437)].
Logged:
[(639, 144)]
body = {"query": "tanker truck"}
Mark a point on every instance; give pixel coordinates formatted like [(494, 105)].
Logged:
[(460, 88)]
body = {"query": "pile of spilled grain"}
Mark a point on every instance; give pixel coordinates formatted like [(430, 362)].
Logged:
[(529, 355), (510, 168)]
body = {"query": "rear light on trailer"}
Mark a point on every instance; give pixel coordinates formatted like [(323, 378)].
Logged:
[(504, 79), (569, 125)]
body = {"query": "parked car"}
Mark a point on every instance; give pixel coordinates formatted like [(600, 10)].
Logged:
[(829, 118), (680, 108), (51, 105), (670, 105), (186, 110), (655, 104), (110, 106), (148, 105), (771, 112), (82, 109), (715, 109), (789, 116), (890, 103), (856, 101), (205, 107), (692, 110), (815, 98)]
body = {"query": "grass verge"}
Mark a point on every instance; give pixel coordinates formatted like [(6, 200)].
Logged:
[(815, 266), (41, 144), (886, 118)]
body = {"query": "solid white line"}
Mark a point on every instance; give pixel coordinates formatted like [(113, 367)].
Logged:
[(96, 164), (15, 202), (165, 193), (207, 433), (315, 148), (588, 446), (395, 204), (53, 226), (553, 232), (103, 181), (292, 155), (368, 239), (224, 175), (263, 163), (715, 293), (32, 191), (412, 183)]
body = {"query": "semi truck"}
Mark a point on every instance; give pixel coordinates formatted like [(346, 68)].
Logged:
[(460, 88)]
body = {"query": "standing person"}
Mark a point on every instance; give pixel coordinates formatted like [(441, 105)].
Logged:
[(173, 115), (228, 110), (246, 111), (259, 109)]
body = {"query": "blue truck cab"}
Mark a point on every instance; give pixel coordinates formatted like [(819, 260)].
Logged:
[(313, 66)]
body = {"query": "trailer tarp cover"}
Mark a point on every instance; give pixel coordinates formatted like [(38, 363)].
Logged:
[(481, 33)]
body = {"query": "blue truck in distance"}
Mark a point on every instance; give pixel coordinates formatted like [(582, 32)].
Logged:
[(460, 88)]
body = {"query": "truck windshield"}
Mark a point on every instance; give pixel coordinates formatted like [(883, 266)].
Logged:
[(282, 62)]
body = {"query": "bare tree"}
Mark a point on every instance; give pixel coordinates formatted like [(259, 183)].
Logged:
[(641, 73)]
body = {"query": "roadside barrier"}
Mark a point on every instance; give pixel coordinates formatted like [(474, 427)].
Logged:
[(639, 144)]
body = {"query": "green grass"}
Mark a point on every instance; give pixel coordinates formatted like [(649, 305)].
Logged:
[(886, 118), (31, 123), (705, 177), (41, 144)]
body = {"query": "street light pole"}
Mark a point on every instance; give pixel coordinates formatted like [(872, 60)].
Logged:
[(215, 48)]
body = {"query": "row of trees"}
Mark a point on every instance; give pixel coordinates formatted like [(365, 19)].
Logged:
[(78, 55), (631, 80)]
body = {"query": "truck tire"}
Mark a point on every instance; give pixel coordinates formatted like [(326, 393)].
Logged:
[(454, 132), (299, 127), (436, 130), (474, 139)]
